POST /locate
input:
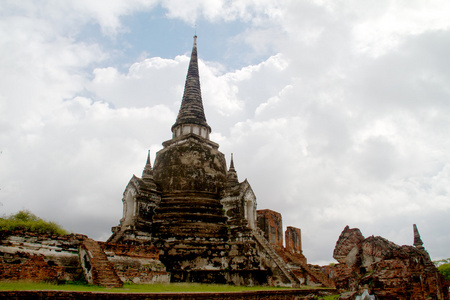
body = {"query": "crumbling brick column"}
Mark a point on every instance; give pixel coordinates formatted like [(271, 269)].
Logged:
[(271, 223), (293, 237)]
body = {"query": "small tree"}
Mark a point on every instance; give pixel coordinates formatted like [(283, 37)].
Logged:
[(26, 220), (445, 270)]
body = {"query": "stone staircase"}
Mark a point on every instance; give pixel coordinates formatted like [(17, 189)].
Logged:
[(101, 271), (295, 260), (324, 280), (276, 258)]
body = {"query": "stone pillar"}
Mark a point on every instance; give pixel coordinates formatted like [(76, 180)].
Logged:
[(270, 222), (293, 237)]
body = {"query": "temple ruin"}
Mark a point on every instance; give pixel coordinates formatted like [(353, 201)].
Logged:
[(189, 219), (191, 207)]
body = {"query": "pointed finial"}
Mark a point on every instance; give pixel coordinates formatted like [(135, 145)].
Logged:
[(231, 163), (417, 240), (232, 177), (148, 171), (148, 159)]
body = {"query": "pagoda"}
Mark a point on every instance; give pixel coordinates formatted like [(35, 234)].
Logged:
[(195, 211)]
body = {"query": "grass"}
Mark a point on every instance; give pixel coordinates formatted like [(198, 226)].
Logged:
[(332, 297), (133, 288)]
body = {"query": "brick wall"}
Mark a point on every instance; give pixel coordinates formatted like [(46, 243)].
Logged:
[(39, 257), (136, 263), (42, 257), (144, 251)]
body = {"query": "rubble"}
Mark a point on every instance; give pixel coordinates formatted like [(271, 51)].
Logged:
[(387, 270)]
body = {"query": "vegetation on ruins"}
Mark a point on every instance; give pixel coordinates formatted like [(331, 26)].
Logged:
[(445, 270), (26, 220), (443, 266)]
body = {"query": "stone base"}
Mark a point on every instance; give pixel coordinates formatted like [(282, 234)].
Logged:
[(241, 277)]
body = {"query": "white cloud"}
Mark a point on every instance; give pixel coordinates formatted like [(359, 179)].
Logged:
[(57, 146), (147, 83), (220, 10), (344, 123), (383, 29)]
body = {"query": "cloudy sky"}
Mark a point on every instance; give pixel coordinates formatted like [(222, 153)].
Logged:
[(337, 112)]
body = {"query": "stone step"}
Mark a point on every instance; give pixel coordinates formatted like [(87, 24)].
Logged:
[(190, 195), (319, 276), (198, 230), (174, 216), (96, 266), (276, 258), (190, 209), (214, 246), (214, 204), (177, 235)]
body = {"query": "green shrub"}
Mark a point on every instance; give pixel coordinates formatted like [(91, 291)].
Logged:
[(445, 270), (26, 220)]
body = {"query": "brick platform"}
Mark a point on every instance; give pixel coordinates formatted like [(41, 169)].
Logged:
[(254, 295)]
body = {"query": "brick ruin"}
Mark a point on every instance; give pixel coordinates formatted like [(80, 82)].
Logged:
[(385, 269), (28, 256), (190, 219), (44, 257), (270, 223)]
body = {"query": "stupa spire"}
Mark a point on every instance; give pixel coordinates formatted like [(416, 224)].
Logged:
[(148, 171), (232, 177), (232, 163), (417, 240), (191, 110)]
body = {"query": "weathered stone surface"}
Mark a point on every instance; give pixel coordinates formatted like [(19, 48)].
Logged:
[(385, 269), (136, 263), (190, 163), (348, 245), (191, 110), (239, 204), (140, 199), (98, 270), (43, 257), (293, 238), (271, 223), (417, 240), (38, 257), (375, 249)]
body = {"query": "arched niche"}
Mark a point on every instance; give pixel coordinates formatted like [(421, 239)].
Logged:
[(129, 207), (250, 208)]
